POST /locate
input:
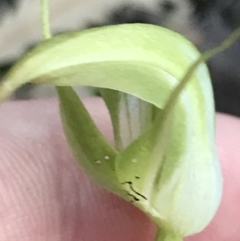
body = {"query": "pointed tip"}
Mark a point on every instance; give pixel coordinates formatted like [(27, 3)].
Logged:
[(6, 90)]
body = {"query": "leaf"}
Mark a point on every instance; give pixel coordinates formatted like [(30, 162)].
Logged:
[(94, 154)]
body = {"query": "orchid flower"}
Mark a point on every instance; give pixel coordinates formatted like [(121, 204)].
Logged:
[(157, 89)]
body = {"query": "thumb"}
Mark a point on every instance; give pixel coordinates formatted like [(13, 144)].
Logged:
[(44, 195)]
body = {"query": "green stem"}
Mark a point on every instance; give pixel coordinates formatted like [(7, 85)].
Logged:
[(187, 77), (46, 32), (167, 236), (163, 117)]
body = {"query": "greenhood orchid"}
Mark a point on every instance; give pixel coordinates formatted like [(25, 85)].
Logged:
[(157, 89)]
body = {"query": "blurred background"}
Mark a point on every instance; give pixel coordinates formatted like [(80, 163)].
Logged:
[(205, 22)]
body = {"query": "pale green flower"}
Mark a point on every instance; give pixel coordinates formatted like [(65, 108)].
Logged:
[(164, 159)]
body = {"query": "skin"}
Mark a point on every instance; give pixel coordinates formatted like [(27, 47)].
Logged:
[(44, 195)]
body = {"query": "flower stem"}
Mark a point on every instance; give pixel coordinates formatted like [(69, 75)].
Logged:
[(167, 236), (187, 77), (46, 32)]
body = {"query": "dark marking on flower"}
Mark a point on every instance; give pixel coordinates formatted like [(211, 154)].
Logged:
[(132, 188), (135, 199)]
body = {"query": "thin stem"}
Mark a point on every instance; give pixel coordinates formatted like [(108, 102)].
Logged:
[(46, 32), (187, 77), (163, 116), (167, 236)]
